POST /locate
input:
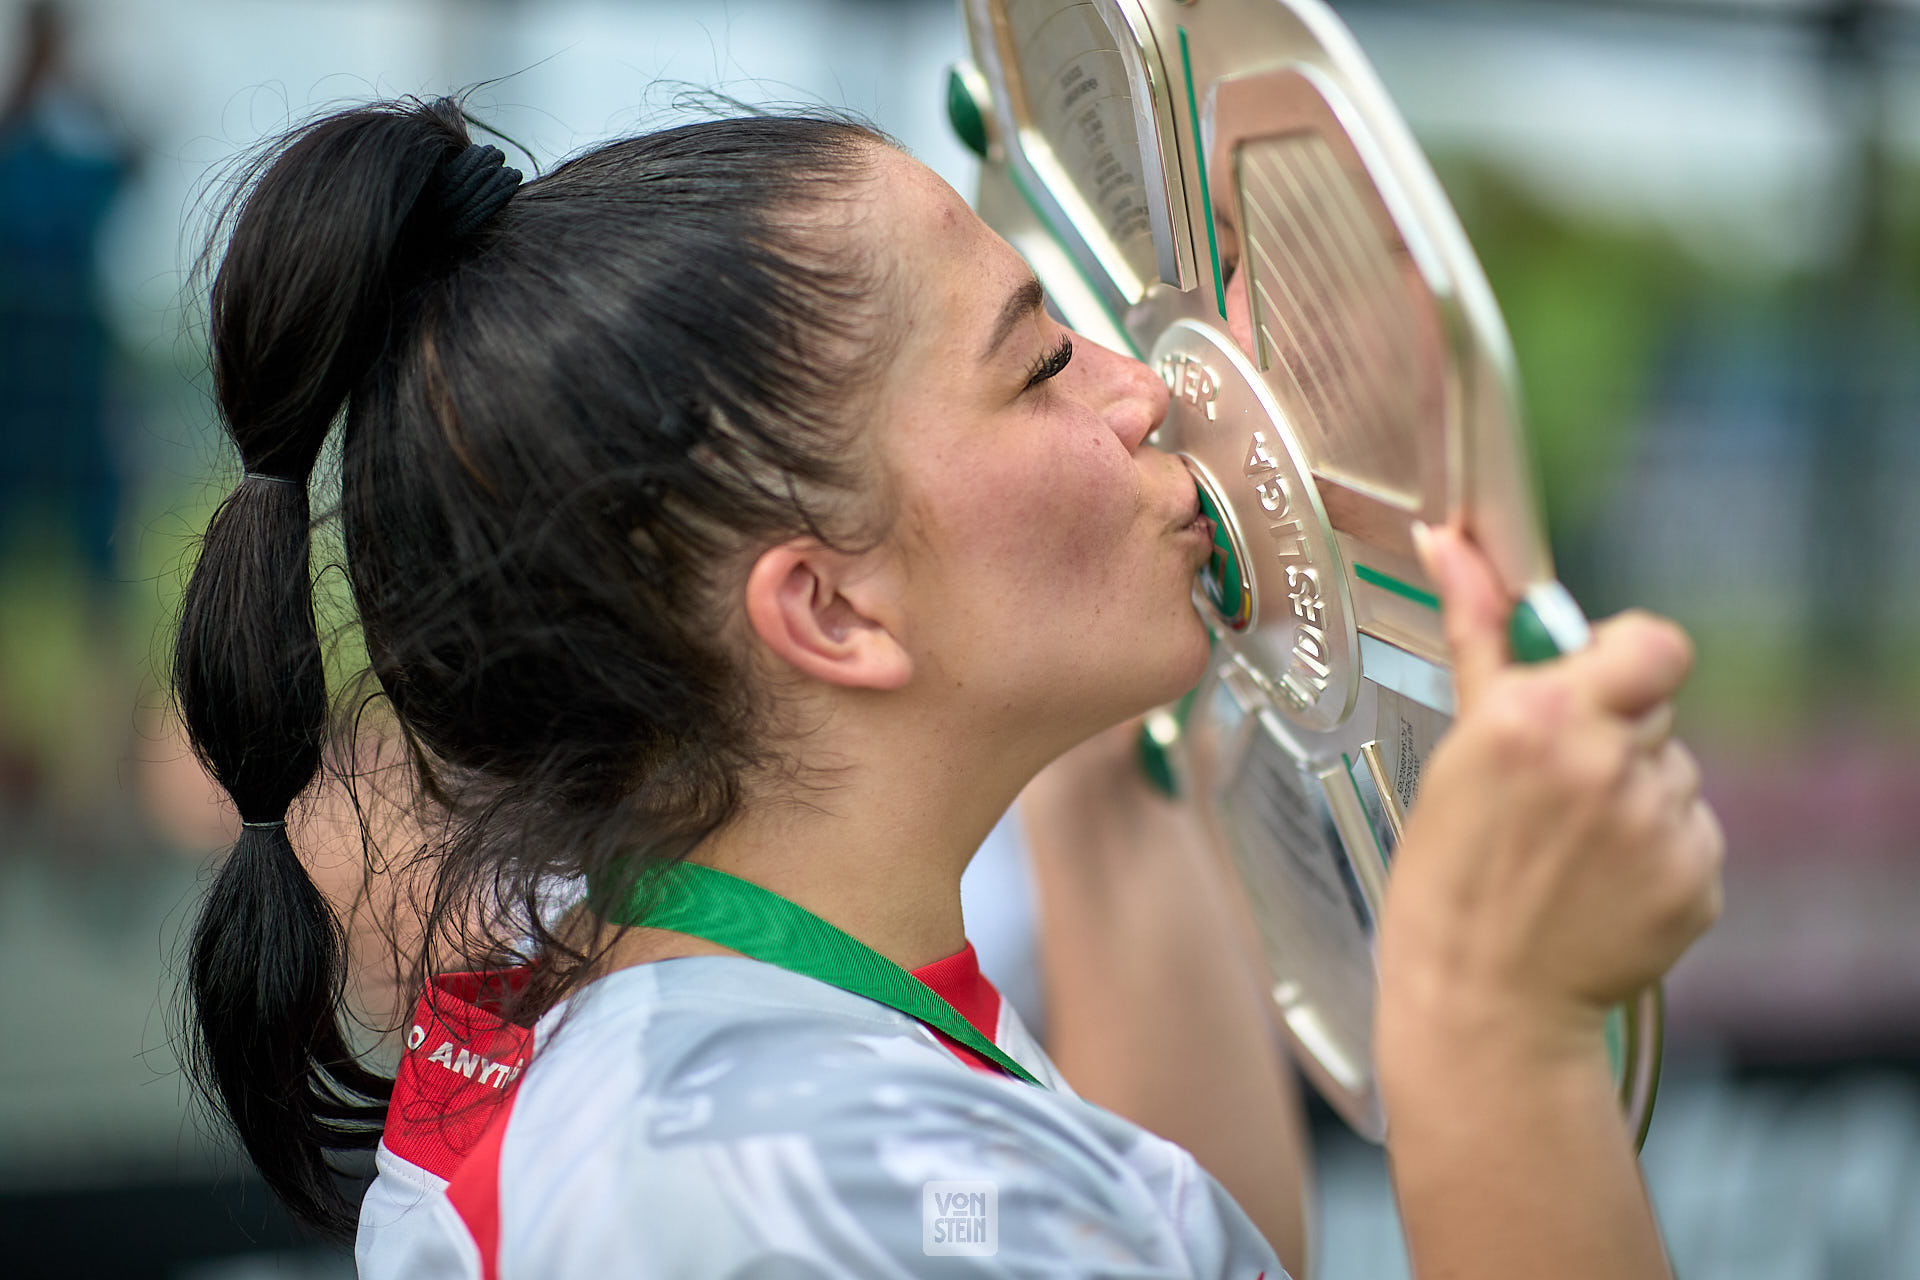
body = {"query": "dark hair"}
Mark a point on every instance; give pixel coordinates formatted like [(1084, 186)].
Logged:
[(562, 434)]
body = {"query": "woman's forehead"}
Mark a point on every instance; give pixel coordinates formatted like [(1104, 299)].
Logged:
[(913, 191), (957, 270)]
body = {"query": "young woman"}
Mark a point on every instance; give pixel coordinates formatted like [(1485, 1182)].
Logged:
[(734, 533)]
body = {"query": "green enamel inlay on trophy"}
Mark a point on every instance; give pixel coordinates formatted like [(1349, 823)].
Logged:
[(1225, 189), (1223, 581)]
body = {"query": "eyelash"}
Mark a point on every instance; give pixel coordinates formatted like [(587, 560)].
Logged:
[(1051, 364)]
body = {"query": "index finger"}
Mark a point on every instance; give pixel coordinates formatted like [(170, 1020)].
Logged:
[(1473, 608)]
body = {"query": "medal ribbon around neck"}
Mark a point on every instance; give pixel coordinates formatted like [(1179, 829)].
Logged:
[(760, 924)]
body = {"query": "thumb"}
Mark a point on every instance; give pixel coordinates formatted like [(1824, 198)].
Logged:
[(1473, 608)]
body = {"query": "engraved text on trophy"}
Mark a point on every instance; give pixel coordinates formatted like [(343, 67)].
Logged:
[(1189, 379), (1309, 667)]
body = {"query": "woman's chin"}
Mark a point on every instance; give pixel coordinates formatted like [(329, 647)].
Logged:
[(1196, 648), (1139, 679), (1181, 666)]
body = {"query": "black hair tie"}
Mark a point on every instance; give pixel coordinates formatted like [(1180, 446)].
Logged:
[(473, 186)]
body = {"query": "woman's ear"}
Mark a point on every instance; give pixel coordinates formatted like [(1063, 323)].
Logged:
[(823, 612)]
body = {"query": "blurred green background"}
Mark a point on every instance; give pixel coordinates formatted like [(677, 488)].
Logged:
[(1701, 217)]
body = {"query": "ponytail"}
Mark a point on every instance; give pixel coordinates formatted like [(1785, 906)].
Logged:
[(322, 251), (562, 410)]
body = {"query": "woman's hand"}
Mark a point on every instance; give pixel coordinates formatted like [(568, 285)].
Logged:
[(1559, 858)]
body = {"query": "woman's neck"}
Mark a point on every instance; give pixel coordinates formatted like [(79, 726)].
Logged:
[(900, 896), (878, 853)]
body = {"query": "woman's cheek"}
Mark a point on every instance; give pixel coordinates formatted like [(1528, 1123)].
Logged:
[(1056, 507), (1095, 515)]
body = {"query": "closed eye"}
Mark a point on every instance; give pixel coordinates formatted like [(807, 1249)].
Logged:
[(1050, 364)]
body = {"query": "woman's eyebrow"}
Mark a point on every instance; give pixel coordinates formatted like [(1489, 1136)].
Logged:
[(1026, 300)]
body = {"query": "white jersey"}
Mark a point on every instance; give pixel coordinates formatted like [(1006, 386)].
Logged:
[(720, 1117)]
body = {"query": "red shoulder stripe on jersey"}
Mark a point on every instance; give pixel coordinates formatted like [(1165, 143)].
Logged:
[(474, 1191), (461, 1062), (453, 1093), (958, 980)]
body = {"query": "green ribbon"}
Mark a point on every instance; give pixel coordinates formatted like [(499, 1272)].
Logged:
[(758, 923)]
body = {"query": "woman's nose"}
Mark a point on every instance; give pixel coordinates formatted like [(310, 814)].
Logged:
[(1139, 400)]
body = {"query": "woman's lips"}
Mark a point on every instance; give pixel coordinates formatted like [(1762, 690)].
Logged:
[(1190, 510), (1199, 532)]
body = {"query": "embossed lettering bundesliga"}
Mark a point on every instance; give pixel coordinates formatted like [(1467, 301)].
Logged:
[(1224, 189), (1306, 679), (1295, 637)]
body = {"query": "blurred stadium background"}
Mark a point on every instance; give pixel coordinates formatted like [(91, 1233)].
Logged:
[(1701, 216)]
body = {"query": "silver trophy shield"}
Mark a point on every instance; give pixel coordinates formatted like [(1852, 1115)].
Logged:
[(1224, 189)]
